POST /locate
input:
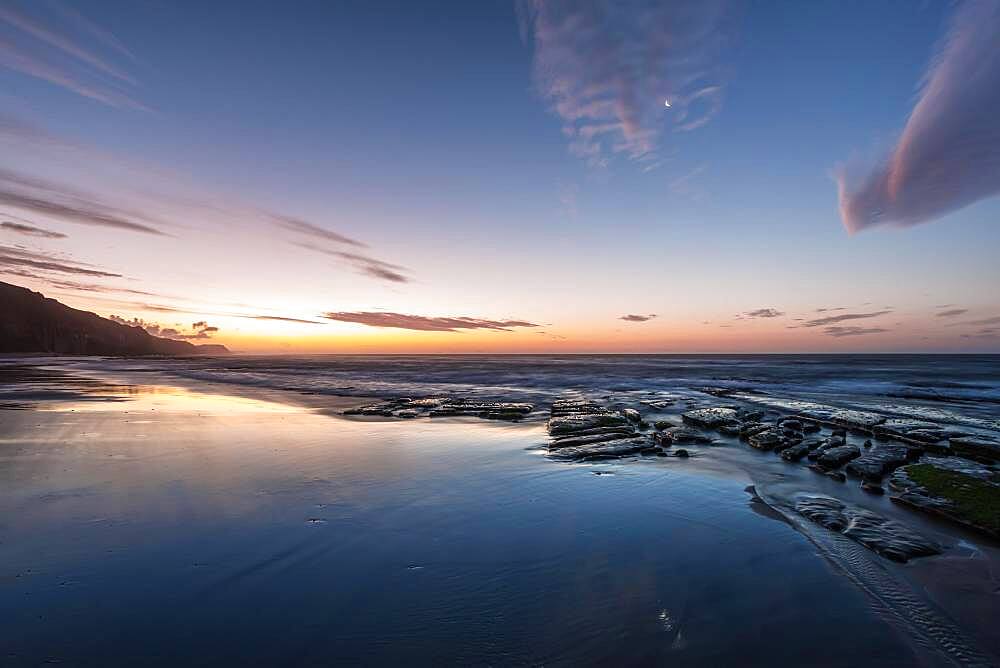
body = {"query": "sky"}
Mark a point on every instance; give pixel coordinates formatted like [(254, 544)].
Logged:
[(509, 176)]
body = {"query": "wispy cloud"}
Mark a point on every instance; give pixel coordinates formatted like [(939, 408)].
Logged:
[(365, 264), (44, 34), (985, 333), (12, 257), (569, 194), (852, 331), (204, 310), (76, 286), (686, 183), (948, 155), (283, 319), (309, 229), (38, 50), (31, 230), (633, 317), (995, 320), (424, 323), (102, 34), (28, 193), (829, 320), (951, 313), (606, 69)]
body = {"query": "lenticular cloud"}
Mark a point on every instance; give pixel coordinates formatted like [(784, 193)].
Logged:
[(948, 155), (606, 67)]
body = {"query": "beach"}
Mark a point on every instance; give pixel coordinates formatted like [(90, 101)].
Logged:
[(148, 521)]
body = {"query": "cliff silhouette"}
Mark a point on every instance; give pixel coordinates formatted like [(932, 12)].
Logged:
[(30, 322)]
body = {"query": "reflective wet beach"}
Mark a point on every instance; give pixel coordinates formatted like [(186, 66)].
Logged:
[(183, 527)]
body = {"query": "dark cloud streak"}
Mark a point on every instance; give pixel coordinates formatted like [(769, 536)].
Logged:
[(838, 332), (424, 323), (50, 199), (19, 258), (829, 320), (303, 227), (31, 230), (365, 264), (763, 313)]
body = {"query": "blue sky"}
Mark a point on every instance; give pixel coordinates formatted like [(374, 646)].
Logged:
[(427, 132)]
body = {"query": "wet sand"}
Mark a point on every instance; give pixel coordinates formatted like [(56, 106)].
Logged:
[(164, 526)]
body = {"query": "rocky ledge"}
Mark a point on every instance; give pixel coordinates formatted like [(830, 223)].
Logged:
[(960, 490), (582, 430), (889, 538), (444, 407)]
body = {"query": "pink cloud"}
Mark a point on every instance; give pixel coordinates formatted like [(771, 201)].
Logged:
[(948, 155), (606, 68)]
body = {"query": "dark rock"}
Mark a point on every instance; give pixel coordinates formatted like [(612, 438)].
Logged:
[(389, 408), (605, 450), (660, 404), (488, 410), (765, 440), (810, 427), (982, 448), (868, 443), (926, 435), (886, 537), (750, 429), (660, 425), (632, 415), (838, 456), (837, 475), (563, 407), (879, 461), (569, 424), (795, 452), (749, 415), (682, 453), (710, 418), (729, 429), (792, 423), (618, 429), (784, 444), (872, 488), (819, 449), (607, 434), (900, 427), (684, 435)]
